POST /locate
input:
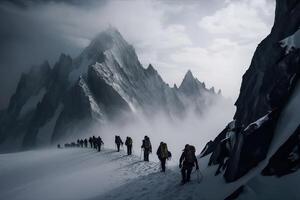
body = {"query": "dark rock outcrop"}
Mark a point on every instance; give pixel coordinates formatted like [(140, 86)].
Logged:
[(266, 88), (280, 164)]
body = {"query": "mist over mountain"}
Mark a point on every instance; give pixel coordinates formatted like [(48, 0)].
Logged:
[(106, 83)]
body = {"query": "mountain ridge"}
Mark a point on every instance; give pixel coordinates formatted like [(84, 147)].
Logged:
[(100, 85)]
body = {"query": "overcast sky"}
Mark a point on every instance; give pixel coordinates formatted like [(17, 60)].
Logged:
[(214, 38)]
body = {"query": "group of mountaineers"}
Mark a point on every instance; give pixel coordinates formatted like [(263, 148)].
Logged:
[(187, 159)]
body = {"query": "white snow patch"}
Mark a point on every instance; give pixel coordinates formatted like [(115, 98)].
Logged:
[(258, 122), (291, 42)]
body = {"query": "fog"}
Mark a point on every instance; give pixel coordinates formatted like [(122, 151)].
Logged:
[(192, 129)]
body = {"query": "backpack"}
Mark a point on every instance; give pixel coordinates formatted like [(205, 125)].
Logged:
[(118, 140), (190, 154), (129, 141), (164, 151), (147, 144)]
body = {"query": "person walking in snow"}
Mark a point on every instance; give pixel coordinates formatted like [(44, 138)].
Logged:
[(146, 146), (94, 142), (91, 142), (99, 143), (118, 142), (128, 144), (163, 154), (187, 161), (81, 143), (85, 142)]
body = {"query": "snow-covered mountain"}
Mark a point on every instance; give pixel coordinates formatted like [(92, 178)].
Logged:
[(265, 130), (105, 82)]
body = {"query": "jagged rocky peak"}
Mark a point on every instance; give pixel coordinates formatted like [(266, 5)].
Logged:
[(189, 76), (150, 69), (175, 87), (106, 79), (104, 41), (188, 80), (191, 85)]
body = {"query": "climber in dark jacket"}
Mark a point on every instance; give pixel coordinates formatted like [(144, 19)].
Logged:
[(85, 141), (187, 162), (91, 142), (162, 154), (118, 142), (147, 148), (94, 142), (81, 143), (128, 144), (99, 143)]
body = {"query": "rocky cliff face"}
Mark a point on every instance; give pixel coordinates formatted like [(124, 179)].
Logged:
[(265, 92), (104, 82)]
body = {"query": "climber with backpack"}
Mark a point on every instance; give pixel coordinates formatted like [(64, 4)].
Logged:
[(128, 144), (85, 142), (91, 142), (118, 142), (146, 146), (99, 143), (94, 142), (186, 162), (163, 154)]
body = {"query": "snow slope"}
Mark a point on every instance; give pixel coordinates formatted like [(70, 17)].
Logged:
[(86, 174), (67, 173)]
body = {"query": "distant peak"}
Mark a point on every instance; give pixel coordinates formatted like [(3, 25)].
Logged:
[(151, 69), (105, 40), (189, 75), (189, 81), (112, 29)]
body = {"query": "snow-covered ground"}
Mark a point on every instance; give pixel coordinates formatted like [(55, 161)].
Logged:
[(81, 173), (67, 173)]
